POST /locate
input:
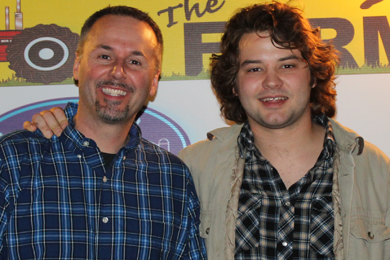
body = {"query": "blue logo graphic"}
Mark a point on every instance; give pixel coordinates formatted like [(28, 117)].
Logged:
[(155, 126)]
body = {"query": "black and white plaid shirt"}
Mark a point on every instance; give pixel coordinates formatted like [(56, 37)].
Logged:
[(276, 223)]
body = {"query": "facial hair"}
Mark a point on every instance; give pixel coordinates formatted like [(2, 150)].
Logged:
[(110, 111)]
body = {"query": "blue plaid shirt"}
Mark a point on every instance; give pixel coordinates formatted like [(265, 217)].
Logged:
[(57, 200)]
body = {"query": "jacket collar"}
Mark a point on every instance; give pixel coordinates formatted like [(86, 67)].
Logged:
[(225, 133), (346, 139)]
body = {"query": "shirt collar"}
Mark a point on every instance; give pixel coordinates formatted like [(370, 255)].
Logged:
[(71, 135), (246, 143), (329, 140)]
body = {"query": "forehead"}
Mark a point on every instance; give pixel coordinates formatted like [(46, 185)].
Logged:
[(122, 32), (260, 43)]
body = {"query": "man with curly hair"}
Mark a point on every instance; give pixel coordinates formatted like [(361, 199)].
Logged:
[(287, 181)]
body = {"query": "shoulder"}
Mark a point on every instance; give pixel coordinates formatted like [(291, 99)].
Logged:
[(20, 146), (225, 133), (167, 164), (221, 146), (365, 153), (343, 133), (225, 137), (372, 159), (155, 154), (22, 137), (374, 152)]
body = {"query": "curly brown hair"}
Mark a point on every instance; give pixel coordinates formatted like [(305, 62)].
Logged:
[(288, 29)]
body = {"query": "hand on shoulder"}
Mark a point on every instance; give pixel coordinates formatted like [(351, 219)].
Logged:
[(50, 122)]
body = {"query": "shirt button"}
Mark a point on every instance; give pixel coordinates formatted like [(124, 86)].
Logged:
[(86, 143), (288, 204), (284, 243), (371, 235), (79, 156), (104, 179), (207, 230), (124, 157), (105, 220)]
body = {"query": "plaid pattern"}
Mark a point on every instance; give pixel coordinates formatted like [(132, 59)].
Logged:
[(57, 201), (276, 223)]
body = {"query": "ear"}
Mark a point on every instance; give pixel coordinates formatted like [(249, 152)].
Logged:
[(154, 86), (235, 92), (76, 67), (314, 83)]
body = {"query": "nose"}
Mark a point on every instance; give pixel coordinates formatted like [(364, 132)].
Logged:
[(272, 80), (118, 71)]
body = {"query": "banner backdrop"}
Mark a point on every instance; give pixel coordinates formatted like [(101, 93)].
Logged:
[(39, 38)]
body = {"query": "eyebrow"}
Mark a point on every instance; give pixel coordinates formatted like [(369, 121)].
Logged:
[(290, 57), (109, 48)]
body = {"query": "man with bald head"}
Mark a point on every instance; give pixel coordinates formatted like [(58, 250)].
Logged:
[(100, 191)]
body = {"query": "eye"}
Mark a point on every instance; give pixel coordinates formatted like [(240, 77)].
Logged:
[(135, 62), (254, 70), (104, 57), (288, 66)]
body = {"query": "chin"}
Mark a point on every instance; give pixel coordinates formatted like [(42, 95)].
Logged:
[(275, 124)]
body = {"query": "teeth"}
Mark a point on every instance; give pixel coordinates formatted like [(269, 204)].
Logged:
[(114, 92), (273, 99)]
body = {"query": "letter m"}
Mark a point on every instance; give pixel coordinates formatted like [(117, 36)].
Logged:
[(373, 27)]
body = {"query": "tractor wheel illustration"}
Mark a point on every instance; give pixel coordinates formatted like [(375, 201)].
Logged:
[(43, 54)]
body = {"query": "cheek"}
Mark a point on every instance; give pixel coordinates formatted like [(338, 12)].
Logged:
[(305, 92), (247, 86), (95, 69), (245, 94), (142, 79), (136, 76)]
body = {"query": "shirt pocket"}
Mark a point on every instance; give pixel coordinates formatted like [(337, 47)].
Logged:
[(370, 226), (321, 227)]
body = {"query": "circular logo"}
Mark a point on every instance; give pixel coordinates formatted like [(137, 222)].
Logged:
[(155, 126), (39, 53)]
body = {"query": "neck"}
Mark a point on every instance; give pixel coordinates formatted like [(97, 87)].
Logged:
[(110, 138), (295, 139)]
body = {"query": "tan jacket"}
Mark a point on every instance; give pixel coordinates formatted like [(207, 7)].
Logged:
[(361, 193)]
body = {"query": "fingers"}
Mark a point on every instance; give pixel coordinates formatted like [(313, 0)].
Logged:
[(60, 117), (45, 121), (29, 126), (50, 122)]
